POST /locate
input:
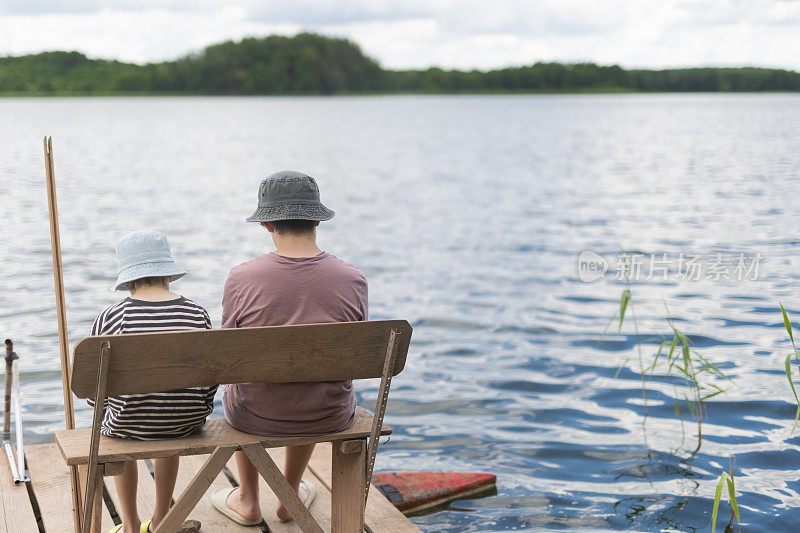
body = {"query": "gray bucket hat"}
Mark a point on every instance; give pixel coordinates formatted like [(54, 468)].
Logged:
[(144, 254), (289, 195)]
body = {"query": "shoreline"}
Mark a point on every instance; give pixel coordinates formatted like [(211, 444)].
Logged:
[(10, 95)]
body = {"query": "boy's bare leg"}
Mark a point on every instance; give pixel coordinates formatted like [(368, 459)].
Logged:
[(297, 458), (166, 472), (244, 500), (126, 491)]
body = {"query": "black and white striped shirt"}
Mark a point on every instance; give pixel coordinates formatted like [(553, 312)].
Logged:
[(158, 415)]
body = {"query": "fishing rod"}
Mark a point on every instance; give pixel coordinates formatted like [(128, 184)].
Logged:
[(63, 341)]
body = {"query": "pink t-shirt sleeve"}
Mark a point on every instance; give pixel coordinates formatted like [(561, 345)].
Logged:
[(230, 305)]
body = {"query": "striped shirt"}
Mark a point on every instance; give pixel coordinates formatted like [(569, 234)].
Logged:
[(157, 415)]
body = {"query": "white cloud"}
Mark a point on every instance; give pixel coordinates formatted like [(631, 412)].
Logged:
[(136, 36), (421, 33)]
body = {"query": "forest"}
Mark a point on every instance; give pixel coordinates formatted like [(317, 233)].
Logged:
[(315, 64)]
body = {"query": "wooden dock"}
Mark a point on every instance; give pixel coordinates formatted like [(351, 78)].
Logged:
[(45, 504)]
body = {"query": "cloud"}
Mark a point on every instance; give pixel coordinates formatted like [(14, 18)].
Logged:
[(336, 12), (298, 12), (133, 36), (417, 34), (82, 7)]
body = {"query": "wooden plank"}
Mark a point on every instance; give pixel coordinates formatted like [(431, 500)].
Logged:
[(210, 519), (51, 483), (348, 486), (381, 515), (217, 432), (16, 513), (145, 492), (153, 362), (113, 469), (320, 508), (277, 482), (198, 486)]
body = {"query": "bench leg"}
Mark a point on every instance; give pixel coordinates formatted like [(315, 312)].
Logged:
[(348, 484), (96, 505), (198, 486), (83, 471), (93, 511)]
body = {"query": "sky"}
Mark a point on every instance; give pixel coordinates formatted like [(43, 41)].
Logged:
[(463, 34)]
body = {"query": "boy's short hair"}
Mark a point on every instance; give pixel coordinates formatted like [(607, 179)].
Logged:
[(294, 226), (149, 281)]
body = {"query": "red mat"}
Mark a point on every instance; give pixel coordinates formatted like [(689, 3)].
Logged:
[(412, 491)]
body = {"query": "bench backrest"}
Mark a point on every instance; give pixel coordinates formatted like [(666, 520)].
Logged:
[(156, 362)]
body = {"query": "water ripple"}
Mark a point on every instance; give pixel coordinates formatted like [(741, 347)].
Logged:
[(467, 214)]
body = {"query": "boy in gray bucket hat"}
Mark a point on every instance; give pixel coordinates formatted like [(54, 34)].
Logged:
[(296, 284), (145, 267)]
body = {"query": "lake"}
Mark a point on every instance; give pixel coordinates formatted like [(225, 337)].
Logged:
[(468, 215)]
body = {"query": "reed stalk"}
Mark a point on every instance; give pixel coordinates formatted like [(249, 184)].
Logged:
[(788, 364), (681, 359), (725, 479)]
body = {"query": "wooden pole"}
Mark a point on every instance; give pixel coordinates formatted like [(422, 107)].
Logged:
[(10, 356), (63, 341)]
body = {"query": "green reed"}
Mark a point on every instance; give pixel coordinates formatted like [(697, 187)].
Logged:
[(677, 355), (788, 364), (725, 479), (626, 301), (699, 372)]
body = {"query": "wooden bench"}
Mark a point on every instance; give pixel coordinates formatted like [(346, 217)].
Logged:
[(113, 365)]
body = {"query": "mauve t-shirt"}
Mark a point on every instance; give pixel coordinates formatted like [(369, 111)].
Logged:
[(274, 290)]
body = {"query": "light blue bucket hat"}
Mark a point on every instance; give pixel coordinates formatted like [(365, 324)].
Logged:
[(144, 254)]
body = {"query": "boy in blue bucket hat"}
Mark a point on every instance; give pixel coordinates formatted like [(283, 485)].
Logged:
[(145, 267)]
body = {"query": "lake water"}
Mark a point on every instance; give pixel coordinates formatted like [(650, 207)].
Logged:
[(467, 215)]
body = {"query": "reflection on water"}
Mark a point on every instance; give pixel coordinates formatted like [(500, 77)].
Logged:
[(467, 215)]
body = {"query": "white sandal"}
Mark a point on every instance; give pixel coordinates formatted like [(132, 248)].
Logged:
[(219, 499), (312, 492)]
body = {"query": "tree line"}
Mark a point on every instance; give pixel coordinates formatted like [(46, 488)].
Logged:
[(314, 64)]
